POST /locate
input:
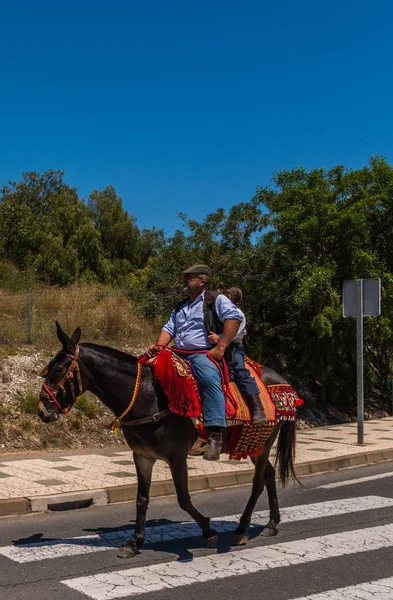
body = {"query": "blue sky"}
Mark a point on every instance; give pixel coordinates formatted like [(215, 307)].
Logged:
[(189, 106)]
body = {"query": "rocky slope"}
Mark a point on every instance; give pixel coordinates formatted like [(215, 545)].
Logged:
[(21, 430)]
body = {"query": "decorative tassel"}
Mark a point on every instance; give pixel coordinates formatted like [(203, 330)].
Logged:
[(178, 384)]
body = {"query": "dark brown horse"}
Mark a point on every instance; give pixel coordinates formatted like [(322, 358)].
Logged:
[(152, 433)]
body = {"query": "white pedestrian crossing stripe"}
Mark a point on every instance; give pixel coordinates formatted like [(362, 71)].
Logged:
[(382, 589), (142, 580), (339, 484), (176, 531)]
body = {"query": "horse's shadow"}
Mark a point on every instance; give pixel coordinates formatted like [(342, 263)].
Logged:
[(189, 537)]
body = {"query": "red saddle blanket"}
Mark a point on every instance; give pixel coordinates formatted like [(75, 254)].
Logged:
[(175, 376)]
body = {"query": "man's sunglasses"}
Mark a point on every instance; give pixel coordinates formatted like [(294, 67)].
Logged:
[(192, 276)]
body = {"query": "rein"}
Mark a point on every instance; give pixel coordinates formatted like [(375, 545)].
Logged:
[(152, 419), (73, 369), (221, 366), (115, 426), (117, 422), (143, 359)]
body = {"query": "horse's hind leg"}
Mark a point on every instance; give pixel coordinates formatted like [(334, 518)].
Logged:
[(261, 461), (178, 466), (144, 467), (274, 516)]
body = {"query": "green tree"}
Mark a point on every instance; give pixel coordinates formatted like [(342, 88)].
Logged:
[(125, 246), (325, 228), (47, 229), (290, 248)]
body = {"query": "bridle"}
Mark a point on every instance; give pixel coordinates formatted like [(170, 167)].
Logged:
[(73, 370), (50, 393)]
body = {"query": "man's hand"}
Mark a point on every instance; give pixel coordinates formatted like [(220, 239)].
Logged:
[(230, 329), (213, 338), (163, 340), (151, 351), (217, 352)]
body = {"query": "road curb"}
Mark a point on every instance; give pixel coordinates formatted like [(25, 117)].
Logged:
[(68, 500), (127, 492), (14, 506)]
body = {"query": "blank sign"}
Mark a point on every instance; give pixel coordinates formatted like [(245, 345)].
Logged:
[(371, 297)]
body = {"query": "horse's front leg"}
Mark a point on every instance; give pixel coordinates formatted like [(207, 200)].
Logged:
[(178, 466), (144, 467)]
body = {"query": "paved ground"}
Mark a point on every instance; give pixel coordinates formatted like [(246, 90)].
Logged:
[(335, 541), (36, 476)]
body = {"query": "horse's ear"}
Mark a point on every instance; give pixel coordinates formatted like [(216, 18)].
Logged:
[(44, 371), (69, 343), (76, 335), (63, 337)]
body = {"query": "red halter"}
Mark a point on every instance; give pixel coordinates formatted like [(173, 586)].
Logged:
[(73, 369)]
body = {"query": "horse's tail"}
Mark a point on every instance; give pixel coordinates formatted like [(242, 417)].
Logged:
[(285, 454)]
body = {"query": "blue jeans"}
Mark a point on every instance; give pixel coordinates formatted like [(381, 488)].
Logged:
[(241, 374), (209, 381)]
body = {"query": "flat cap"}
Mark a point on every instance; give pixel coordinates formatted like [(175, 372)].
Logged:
[(204, 269)]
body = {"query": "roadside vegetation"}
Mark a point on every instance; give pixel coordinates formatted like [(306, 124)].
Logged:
[(289, 247), (104, 313)]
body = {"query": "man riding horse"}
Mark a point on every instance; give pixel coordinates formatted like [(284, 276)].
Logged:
[(190, 324)]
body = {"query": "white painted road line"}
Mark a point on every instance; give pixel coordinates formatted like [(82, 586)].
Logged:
[(142, 580), (381, 589), (177, 531), (338, 484)]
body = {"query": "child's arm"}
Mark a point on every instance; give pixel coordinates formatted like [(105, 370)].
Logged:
[(213, 338)]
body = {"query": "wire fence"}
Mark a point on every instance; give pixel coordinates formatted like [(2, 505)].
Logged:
[(104, 315)]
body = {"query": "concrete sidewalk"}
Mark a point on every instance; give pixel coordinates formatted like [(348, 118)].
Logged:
[(60, 480)]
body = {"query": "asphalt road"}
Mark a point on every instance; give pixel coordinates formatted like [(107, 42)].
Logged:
[(334, 537)]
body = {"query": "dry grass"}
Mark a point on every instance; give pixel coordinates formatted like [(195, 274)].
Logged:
[(20, 427), (105, 315), (25, 432)]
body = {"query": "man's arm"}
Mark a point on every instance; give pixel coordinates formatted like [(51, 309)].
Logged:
[(166, 334), (230, 315), (231, 327), (164, 338)]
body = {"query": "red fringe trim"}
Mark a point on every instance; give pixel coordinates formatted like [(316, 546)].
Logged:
[(256, 366), (182, 391)]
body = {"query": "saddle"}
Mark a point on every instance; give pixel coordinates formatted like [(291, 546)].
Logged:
[(175, 377)]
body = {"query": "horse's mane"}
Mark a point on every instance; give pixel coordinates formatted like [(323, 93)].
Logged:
[(113, 352)]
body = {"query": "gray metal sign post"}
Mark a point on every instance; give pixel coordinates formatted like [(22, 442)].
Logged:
[(360, 360), (361, 298)]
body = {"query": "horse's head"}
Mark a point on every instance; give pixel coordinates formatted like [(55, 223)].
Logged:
[(63, 381)]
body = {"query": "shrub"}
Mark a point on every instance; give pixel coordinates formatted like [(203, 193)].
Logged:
[(74, 422), (29, 402), (87, 406)]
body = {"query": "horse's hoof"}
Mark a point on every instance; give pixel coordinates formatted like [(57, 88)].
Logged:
[(269, 532), (126, 552), (211, 542), (241, 539)]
